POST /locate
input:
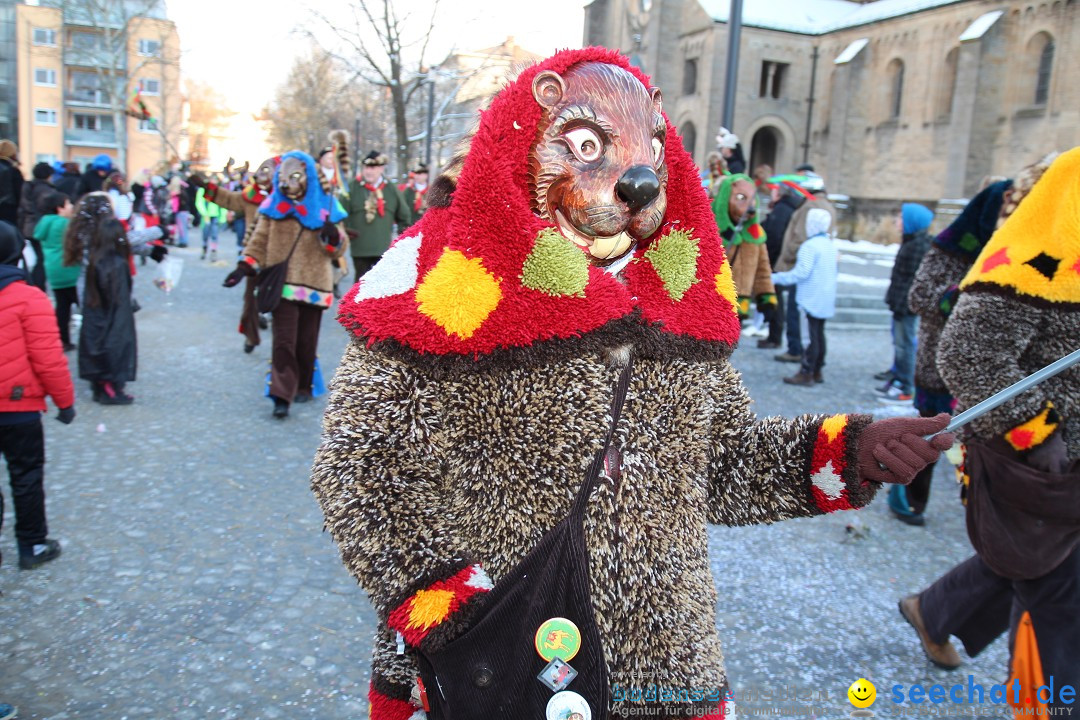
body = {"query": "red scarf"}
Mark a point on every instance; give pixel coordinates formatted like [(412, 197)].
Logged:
[(419, 198), (254, 194)]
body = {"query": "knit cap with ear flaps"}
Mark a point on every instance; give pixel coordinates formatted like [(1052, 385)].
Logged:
[(1035, 255), (487, 274)]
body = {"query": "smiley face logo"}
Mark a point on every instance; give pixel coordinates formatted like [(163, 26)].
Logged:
[(862, 693)]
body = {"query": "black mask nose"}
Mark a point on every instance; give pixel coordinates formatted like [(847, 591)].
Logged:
[(638, 186)]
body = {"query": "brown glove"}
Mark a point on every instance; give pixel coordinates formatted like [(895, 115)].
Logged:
[(894, 450)]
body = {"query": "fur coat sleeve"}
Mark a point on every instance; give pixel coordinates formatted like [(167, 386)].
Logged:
[(763, 470)]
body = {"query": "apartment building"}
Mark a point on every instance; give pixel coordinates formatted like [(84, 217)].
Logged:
[(83, 79)]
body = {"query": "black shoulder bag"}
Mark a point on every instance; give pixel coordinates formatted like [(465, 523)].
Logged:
[(270, 281), (492, 670)]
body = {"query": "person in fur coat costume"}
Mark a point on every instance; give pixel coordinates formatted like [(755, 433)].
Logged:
[(1018, 311), (299, 223), (246, 201), (574, 247)]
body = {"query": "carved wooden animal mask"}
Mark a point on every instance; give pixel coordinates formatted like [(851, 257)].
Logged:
[(293, 178), (741, 200), (597, 169), (264, 175)]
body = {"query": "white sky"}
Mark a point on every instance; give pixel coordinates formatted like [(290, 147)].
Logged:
[(244, 48)]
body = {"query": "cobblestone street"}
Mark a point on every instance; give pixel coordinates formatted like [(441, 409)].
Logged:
[(196, 580)]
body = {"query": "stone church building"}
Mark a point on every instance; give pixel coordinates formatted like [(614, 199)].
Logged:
[(889, 99)]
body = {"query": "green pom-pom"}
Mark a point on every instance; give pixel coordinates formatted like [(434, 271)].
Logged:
[(556, 266), (969, 242), (674, 257)]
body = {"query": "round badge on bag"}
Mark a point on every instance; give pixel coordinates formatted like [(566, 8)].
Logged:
[(558, 638), (568, 705)]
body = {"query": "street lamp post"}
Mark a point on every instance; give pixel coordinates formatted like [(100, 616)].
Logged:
[(734, 34)]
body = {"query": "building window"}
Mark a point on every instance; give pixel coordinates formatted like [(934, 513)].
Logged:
[(772, 79), (689, 77), (150, 48), (46, 158), (91, 121), (85, 41), (150, 87), (45, 36), (1045, 46), (44, 117), (44, 76), (896, 88), (689, 137), (948, 84), (86, 88), (148, 126)]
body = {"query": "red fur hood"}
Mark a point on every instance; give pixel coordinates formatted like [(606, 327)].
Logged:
[(487, 275)]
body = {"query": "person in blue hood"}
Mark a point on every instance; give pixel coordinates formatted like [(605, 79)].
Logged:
[(914, 222), (96, 172)]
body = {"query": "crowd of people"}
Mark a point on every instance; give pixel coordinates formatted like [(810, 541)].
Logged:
[(982, 304)]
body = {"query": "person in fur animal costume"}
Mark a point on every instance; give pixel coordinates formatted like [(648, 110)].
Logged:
[(1018, 311), (735, 209), (335, 166), (247, 202), (573, 254), (298, 223), (932, 296)]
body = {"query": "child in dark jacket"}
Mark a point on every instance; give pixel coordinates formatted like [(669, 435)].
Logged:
[(32, 365), (107, 349)]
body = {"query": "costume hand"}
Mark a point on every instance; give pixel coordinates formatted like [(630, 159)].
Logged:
[(894, 450), (158, 253), (242, 271), (1051, 455), (66, 415), (197, 180)]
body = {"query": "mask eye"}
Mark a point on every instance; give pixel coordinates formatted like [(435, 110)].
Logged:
[(740, 197), (585, 144), (657, 150)]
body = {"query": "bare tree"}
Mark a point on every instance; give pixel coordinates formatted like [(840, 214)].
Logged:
[(318, 96), (377, 45), (106, 45)]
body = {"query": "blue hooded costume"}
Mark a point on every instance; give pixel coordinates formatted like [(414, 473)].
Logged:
[(314, 210)]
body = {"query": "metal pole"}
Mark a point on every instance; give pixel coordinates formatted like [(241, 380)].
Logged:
[(1013, 390), (810, 106), (356, 150), (734, 33), (430, 120)]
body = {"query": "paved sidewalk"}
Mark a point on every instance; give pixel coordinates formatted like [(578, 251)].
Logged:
[(196, 581)]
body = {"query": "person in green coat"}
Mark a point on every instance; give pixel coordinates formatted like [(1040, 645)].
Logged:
[(374, 207), (415, 192), (55, 209)]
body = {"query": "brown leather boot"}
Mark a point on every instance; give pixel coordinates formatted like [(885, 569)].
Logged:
[(818, 377), (800, 378), (943, 655)]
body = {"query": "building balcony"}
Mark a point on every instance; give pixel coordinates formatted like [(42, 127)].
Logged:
[(86, 98), (92, 58), (90, 138)]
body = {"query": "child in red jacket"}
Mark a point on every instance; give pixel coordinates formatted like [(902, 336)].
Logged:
[(32, 365)]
